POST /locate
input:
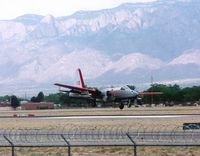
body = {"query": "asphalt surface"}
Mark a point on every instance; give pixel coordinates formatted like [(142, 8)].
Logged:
[(121, 117), (103, 116)]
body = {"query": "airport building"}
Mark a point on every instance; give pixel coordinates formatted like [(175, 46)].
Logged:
[(35, 105), (28, 106)]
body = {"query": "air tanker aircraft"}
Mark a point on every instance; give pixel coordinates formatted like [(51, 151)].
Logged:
[(123, 94)]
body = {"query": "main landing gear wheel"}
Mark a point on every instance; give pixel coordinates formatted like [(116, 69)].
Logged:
[(129, 103), (92, 103), (121, 106)]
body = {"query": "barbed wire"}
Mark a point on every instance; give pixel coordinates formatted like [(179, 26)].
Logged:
[(102, 136)]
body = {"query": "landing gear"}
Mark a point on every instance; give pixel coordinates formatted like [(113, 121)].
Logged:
[(129, 103), (93, 103), (121, 106)]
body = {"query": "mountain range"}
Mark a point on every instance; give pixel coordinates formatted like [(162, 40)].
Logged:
[(134, 43)]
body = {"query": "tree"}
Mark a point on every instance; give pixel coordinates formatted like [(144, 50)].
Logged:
[(65, 99), (14, 102), (33, 99), (40, 97), (55, 98), (174, 93), (191, 94), (5, 98)]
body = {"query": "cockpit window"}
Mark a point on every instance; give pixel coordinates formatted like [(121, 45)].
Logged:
[(122, 88), (126, 88)]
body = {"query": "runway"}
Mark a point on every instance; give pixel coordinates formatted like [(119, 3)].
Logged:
[(122, 117), (105, 117)]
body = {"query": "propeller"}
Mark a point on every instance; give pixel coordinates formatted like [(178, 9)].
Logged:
[(108, 96), (104, 98)]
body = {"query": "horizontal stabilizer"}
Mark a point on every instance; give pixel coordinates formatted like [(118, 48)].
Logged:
[(67, 91), (151, 93)]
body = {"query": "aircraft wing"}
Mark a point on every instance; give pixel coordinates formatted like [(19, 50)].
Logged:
[(150, 93), (75, 88)]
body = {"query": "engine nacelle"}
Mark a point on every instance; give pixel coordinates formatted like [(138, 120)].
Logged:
[(139, 100), (80, 96)]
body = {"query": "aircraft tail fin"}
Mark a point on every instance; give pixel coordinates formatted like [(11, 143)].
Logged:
[(79, 79)]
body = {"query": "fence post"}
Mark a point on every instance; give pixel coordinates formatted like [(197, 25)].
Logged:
[(135, 146), (68, 144), (12, 145)]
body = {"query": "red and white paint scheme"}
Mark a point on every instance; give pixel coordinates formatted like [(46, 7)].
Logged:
[(124, 94), (79, 82)]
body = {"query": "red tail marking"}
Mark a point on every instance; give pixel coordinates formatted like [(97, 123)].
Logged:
[(78, 82), (81, 77)]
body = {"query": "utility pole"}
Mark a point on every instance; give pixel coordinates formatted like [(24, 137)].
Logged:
[(25, 97), (151, 89)]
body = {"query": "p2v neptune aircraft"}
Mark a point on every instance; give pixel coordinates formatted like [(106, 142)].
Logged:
[(124, 95)]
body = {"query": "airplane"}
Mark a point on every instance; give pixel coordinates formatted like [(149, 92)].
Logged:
[(124, 95)]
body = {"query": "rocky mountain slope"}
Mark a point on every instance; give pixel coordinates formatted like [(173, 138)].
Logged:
[(127, 44)]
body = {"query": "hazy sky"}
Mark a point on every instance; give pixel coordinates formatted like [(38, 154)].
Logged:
[(10, 9)]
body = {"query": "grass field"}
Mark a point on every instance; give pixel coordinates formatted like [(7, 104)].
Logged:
[(103, 151)]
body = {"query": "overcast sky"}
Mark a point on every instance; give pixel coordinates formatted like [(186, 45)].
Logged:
[(10, 9)]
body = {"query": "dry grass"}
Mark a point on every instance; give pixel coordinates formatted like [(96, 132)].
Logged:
[(106, 151), (138, 123), (152, 123), (107, 111)]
